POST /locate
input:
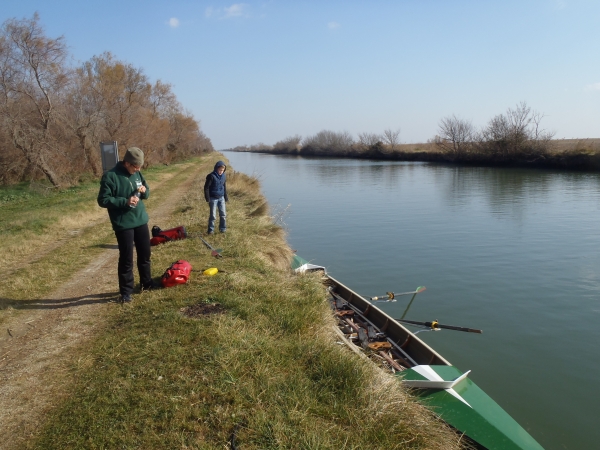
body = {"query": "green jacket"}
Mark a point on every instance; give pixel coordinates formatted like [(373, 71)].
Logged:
[(116, 186)]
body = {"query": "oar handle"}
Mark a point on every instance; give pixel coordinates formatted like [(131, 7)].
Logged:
[(390, 296), (213, 252)]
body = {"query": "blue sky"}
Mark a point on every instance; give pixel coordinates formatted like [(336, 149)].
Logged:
[(260, 71)]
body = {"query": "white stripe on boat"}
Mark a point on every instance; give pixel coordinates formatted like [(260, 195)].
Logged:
[(309, 267), (434, 381)]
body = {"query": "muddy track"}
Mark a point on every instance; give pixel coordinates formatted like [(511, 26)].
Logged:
[(37, 346)]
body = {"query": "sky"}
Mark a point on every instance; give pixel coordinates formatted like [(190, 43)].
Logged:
[(260, 71)]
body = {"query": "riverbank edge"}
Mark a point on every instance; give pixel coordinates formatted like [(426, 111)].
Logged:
[(583, 160), (266, 370)]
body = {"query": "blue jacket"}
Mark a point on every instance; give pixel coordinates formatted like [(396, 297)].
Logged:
[(216, 185)]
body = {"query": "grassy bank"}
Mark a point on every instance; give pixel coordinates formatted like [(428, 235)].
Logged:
[(248, 353), (46, 235)]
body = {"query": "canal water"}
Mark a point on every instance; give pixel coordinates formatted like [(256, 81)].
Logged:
[(513, 252)]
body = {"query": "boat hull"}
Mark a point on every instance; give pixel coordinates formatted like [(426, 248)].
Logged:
[(464, 406)]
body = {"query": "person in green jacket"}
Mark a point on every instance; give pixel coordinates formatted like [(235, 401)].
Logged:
[(122, 190)]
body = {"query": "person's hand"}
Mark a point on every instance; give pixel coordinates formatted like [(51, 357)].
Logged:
[(133, 201), (142, 189)]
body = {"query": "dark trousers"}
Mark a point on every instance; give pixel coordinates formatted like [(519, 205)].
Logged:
[(127, 239)]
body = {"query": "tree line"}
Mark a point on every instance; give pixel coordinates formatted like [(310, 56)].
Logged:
[(516, 134), (327, 142), (53, 116), (512, 137)]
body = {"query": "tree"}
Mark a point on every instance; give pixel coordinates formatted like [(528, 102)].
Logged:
[(52, 116), (260, 147), (369, 139), (517, 132), (290, 144), (124, 89), (86, 105), (328, 141), (32, 80), (391, 138), (455, 135)]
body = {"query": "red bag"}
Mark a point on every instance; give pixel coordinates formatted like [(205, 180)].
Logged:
[(160, 236), (178, 273)]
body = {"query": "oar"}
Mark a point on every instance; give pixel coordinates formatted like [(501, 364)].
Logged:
[(213, 252), (436, 326), (408, 306), (390, 296)]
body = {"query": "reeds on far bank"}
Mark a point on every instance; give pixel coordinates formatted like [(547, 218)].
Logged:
[(264, 371), (569, 154)]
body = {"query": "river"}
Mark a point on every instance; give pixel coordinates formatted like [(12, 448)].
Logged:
[(514, 252)]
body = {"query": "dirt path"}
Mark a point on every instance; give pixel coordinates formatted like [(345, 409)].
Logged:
[(36, 345), (10, 265)]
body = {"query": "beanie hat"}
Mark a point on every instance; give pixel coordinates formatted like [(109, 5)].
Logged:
[(134, 156)]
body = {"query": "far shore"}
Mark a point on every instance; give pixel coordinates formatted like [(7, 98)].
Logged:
[(566, 154)]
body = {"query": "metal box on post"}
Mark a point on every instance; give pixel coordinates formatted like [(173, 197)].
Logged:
[(110, 155)]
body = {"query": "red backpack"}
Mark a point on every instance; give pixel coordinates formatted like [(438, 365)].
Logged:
[(160, 236), (178, 273)]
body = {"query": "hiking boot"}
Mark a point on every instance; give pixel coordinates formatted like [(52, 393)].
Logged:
[(149, 287), (125, 299)]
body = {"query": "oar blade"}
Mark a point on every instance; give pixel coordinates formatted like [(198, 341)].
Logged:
[(465, 329), (436, 326)]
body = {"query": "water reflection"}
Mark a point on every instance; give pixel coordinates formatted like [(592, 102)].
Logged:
[(506, 193)]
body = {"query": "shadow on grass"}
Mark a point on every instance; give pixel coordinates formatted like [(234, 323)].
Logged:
[(45, 303), (110, 246)]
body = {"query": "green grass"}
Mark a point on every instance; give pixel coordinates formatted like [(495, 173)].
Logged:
[(269, 367), (43, 218), (27, 208)]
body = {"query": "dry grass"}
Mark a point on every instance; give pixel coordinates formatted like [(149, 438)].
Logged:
[(48, 237), (578, 146), (419, 147), (262, 210), (268, 368), (42, 222)]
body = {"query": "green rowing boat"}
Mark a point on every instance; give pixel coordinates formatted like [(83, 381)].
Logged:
[(438, 385)]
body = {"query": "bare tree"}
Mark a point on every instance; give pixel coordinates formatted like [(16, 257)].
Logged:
[(32, 79), (329, 141), (290, 144), (391, 138), (455, 135), (541, 138), (52, 117), (260, 147), (125, 91), (369, 139), (186, 138), (85, 108), (515, 132)]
